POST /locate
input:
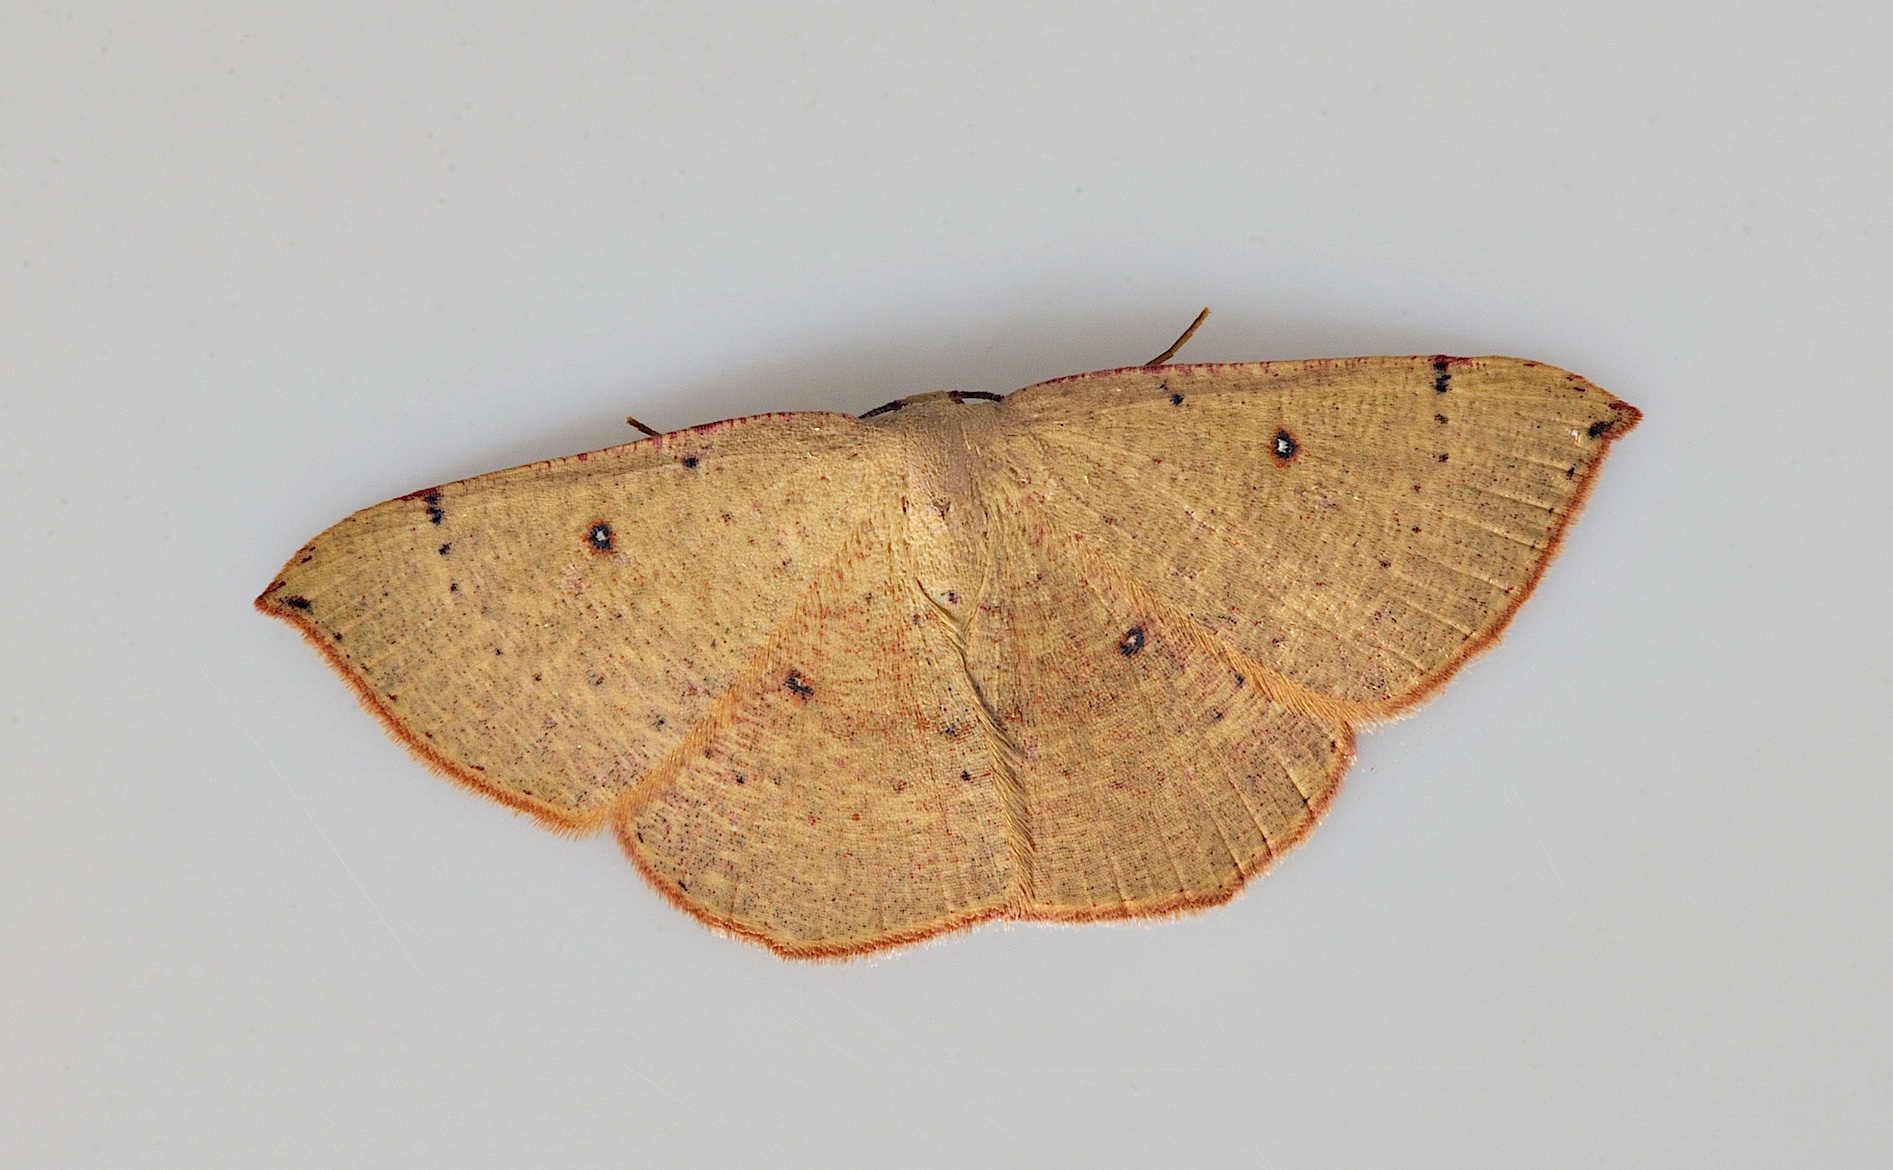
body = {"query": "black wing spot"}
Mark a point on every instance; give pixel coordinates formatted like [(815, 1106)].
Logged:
[(797, 686), (1601, 425), (1442, 456), (1440, 419), (1286, 448), (1131, 642), (445, 547), (1442, 377), (598, 535), (1176, 400), (690, 461), (296, 602), (966, 775), (434, 514)]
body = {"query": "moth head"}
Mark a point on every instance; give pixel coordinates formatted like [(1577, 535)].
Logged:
[(940, 402)]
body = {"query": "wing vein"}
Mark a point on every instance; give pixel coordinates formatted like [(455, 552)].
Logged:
[(1544, 504), (1281, 690), (1289, 773), (720, 712), (1150, 714), (1442, 619), (1475, 522)]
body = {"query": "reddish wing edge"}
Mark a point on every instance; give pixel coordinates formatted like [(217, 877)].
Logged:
[(566, 825), (1181, 907), (559, 822), (1627, 418)]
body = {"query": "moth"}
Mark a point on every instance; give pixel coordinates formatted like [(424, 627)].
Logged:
[(1096, 649)]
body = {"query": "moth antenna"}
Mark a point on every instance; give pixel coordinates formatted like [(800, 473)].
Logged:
[(641, 426), (1167, 354)]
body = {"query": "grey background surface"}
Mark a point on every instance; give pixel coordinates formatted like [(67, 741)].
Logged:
[(1618, 897)]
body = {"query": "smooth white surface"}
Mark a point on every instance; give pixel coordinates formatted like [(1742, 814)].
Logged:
[(1619, 897)]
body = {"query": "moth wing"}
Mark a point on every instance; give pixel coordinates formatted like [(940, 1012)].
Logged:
[(840, 797), (1356, 529), (1155, 776), (550, 635)]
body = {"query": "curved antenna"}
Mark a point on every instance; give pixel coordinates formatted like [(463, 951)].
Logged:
[(1167, 354)]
